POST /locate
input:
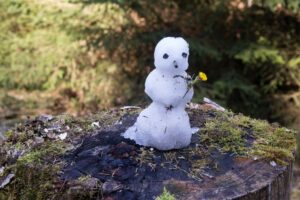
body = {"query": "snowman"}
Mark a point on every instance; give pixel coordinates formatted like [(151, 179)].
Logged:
[(164, 124)]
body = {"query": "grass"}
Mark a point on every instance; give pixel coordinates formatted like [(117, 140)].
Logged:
[(166, 195)]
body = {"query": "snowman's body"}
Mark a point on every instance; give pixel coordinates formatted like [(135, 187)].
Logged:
[(165, 124)]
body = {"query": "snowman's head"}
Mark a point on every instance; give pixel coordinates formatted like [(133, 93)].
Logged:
[(171, 55)]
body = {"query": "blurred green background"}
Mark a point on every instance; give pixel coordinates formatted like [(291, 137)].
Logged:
[(78, 56)]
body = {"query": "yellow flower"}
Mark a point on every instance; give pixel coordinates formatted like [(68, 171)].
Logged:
[(202, 76)]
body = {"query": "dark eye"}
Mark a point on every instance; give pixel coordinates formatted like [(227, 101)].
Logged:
[(184, 55), (165, 56)]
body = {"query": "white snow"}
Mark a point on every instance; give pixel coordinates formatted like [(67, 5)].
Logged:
[(273, 164), (63, 136), (96, 124), (1, 170), (195, 130), (165, 124)]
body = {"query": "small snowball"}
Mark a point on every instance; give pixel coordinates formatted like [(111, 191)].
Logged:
[(273, 164), (195, 130), (63, 136), (95, 124)]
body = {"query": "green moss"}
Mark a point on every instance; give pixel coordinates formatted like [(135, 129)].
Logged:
[(35, 181), (240, 120), (228, 132), (166, 195), (9, 134), (260, 127), (44, 152), (224, 135), (19, 146), (277, 145), (104, 118), (22, 137), (36, 173)]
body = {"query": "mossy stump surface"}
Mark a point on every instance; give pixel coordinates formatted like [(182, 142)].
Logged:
[(63, 157)]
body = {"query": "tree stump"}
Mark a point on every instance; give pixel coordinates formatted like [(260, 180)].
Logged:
[(63, 157)]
